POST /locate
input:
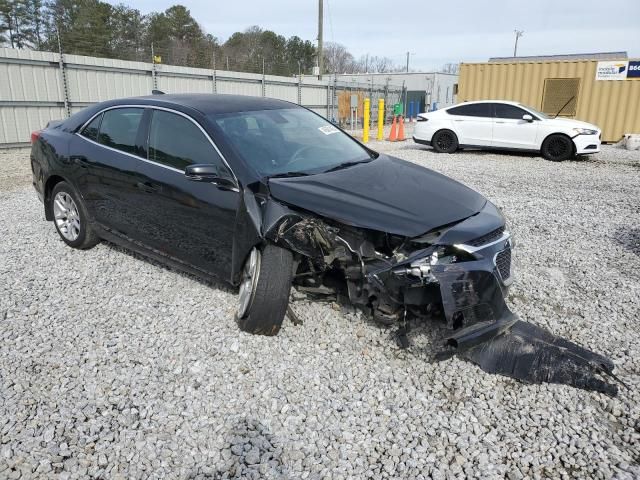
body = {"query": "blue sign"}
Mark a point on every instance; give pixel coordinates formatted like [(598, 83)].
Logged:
[(634, 69)]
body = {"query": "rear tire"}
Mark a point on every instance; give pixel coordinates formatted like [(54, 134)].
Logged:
[(71, 219), (445, 141), (264, 291), (557, 148)]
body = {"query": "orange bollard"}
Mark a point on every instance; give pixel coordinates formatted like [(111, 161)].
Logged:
[(401, 129), (394, 133)]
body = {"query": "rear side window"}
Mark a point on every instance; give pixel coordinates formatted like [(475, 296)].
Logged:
[(504, 110), (91, 130), (472, 110), (177, 142), (119, 129)]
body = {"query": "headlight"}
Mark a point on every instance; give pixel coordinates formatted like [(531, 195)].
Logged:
[(585, 131)]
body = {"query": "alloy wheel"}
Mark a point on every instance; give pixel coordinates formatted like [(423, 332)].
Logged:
[(249, 280), (558, 147), (67, 217), (445, 141)]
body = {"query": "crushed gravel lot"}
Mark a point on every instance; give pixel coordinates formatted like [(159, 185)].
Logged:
[(112, 366)]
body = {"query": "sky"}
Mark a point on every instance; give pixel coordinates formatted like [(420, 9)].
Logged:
[(433, 32)]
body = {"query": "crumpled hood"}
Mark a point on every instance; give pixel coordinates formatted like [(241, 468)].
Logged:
[(386, 194)]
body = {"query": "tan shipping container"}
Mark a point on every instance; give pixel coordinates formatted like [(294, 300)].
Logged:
[(612, 105)]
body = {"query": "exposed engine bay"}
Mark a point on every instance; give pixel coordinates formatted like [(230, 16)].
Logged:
[(442, 274)]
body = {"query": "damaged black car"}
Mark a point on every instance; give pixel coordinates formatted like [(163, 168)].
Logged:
[(268, 195)]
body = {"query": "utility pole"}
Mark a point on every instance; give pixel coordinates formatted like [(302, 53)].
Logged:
[(408, 62), (320, 53), (518, 33)]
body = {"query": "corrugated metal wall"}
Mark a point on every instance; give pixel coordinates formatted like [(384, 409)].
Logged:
[(613, 105), (35, 89)]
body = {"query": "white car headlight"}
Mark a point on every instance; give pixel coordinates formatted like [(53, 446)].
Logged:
[(585, 131)]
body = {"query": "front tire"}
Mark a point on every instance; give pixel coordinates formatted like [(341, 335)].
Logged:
[(445, 141), (557, 148), (264, 290), (71, 219)]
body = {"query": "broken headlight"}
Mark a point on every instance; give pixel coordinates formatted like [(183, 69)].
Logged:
[(445, 255), (442, 255)]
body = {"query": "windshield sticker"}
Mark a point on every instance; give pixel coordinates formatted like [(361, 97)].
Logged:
[(328, 129)]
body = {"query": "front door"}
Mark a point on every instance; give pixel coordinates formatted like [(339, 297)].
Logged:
[(187, 220), (510, 130)]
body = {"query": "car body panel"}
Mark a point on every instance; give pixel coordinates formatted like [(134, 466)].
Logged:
[(513, 133), (476, 130), (386, 194)]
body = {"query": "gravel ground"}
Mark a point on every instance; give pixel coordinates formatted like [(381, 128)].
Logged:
[(112, 366)]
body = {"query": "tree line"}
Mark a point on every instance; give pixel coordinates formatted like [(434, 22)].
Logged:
[(99, 29)]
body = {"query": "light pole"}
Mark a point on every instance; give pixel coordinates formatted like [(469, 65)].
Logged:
[(320, 28), (408, 54), (518, 33)]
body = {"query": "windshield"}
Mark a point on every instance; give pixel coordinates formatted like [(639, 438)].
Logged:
[(288, 141), (544, 116)]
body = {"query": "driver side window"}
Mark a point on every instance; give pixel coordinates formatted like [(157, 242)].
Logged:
[(177, 142), (504, 110)]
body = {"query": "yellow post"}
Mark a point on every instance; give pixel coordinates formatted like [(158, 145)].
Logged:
[(380, 118), (365, 120)]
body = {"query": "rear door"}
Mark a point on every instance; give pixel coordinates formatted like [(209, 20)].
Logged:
[(473, 123), (510, 130), (106, 153), (187, 220)]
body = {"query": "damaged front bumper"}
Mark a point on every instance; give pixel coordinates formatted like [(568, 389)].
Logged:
[(486, 332), (454, 272)]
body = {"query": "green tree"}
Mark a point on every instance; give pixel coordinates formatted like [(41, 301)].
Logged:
[(178, 39), (21, 23), (300, 55), (127, 26), (6, 23)]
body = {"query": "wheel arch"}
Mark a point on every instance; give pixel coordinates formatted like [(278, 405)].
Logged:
[(562, 134), (450, 129), (49, 185), (441, 130)]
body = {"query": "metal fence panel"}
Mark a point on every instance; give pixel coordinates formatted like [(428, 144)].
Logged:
[(34, 89), (17, 122), (226, 85)]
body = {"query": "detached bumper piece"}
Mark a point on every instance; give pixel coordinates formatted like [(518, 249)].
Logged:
[(532, 354), (491, 336)]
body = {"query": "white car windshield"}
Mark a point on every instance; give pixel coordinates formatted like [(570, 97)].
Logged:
[(544, 116), (291, 141)]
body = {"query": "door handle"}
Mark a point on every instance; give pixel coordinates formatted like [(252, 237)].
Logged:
[(148, 187), (458, 120), (500, 122)]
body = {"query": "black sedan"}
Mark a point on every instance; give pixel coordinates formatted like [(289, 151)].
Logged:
[(265, 194)]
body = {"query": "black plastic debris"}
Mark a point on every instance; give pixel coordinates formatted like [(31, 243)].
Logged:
[(532, 354)]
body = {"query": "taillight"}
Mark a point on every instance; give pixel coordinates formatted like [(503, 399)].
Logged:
[(421, 119), (34, 136)]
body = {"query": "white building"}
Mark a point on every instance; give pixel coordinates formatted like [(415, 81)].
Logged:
[(426, 91)]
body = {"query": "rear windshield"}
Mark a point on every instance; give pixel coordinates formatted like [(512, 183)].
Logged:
[(288, 140)]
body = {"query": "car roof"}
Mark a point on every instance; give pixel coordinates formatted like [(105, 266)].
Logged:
[(508, 102), (210, 103)]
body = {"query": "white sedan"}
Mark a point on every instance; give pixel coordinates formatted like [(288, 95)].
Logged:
[(505, 125)]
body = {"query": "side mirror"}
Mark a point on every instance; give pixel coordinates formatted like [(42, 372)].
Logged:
[(207, 172), (527, 117)]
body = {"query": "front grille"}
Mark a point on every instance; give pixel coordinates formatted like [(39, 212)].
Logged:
[(503, 263), (487, 238)]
